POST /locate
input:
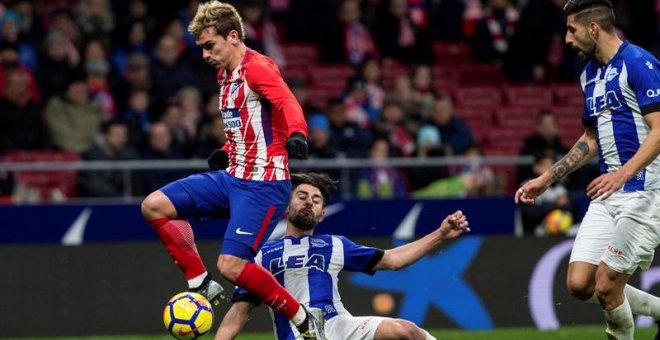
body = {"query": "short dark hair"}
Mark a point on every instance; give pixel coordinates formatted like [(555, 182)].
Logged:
[(107, 125), (599, 11), (321, 181)]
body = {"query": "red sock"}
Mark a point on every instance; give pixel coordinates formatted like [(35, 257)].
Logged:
[(178, 238), (261, 283)]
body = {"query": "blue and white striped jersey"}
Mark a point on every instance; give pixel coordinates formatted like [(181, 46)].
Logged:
[(616, 97), (309, 266)]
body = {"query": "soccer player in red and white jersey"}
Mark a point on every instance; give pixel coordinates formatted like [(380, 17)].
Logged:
[(265, 126)]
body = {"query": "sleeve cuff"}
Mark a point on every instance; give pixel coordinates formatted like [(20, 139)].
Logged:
[(369, 267), (646, 109)]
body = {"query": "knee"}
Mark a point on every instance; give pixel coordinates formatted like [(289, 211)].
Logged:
[(230, 267), (580, 287), (409, 331), (154, 206)]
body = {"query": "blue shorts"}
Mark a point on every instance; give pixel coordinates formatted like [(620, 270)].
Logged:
[(254, 207)]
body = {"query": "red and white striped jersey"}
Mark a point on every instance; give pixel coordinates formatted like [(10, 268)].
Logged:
[(259, 112)]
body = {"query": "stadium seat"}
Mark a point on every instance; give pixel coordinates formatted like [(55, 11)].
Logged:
[(451, 53), (300, 55), (478, 96), (47, 183), (529, 96), (516, 116), (481, 74), (568, 95)]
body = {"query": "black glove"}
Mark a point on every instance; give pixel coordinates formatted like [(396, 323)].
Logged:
[(219, 160), (296, 145)]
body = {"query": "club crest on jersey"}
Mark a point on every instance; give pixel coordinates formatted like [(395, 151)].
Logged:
[(233, 91), (318, 243)]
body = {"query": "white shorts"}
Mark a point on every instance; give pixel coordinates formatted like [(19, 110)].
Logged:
[(621, 231), (346, 326)]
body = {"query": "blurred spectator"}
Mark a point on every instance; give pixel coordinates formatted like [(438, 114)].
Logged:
[(471, 179), (380, 181), (173, 118), (555, 197), (446, 19), (113, 146), (136, 77), (134, 42), (423, 95), (349, 138), (61, 19), (27, 22), (138, 11), (404, 93), (495, 30), (456, 135), (99, 88), (21, 121), (371, 73), (349, 39), (190, 104), (168, 71), (359, 108), (137, 118), (94, 17), (73, 119), (403, 34), (160, 147), (9, 60), (58, 62), (545, 137), (175, 29), (211, 137), (301, 92), (392, 127), (538, 42), (260, 32), (11, 34), (319, 138), (429, 145)]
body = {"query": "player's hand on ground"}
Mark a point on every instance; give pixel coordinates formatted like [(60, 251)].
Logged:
[(454, 225), (296, 146), (605, 185), (529, 191), (218, 160)]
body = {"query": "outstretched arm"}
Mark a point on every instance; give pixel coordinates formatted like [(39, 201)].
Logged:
[(583, 151), (400, 257), (234, 320)]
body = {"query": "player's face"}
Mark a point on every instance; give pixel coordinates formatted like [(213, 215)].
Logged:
[(577, 37), (216, 50), (306, 207)]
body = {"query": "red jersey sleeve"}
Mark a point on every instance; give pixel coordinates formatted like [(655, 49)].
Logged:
[(265, 79)]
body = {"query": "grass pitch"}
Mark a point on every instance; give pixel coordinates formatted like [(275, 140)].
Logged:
[(582, 333)]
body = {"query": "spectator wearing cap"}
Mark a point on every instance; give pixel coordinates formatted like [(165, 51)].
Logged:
[(73, 119), (321, 144)]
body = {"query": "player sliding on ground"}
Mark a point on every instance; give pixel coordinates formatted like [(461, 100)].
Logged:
[(265, 126), (319, 259)]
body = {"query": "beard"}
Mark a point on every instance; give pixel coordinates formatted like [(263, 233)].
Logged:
[(303, 220), (587, 52)]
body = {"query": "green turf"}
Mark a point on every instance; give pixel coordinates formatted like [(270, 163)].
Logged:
[(581, 333)]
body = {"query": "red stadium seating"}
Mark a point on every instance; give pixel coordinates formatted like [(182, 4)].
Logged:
[(46, 182), (516, 116), (451, 53), (568, 95), (478, 96), (529, 96)]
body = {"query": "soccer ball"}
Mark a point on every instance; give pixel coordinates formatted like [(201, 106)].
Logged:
[(188, 315), (557, 222)]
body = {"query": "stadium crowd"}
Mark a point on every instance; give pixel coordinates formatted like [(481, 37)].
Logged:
[(120, 80)]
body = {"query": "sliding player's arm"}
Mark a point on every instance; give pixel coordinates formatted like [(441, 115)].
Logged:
[(242, 304), (451, 227)]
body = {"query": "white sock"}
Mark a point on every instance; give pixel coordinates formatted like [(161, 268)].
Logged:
[(641, 302), (428, 335), (620, 323), (196, 281), (299, 318)]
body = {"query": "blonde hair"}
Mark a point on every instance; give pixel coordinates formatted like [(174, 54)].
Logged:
[(219, 15)]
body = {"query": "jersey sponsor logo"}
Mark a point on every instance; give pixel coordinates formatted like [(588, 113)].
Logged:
[(241, 232), (316, 261), (231, 118), (318, 243), (600, 104), (653, 93)]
